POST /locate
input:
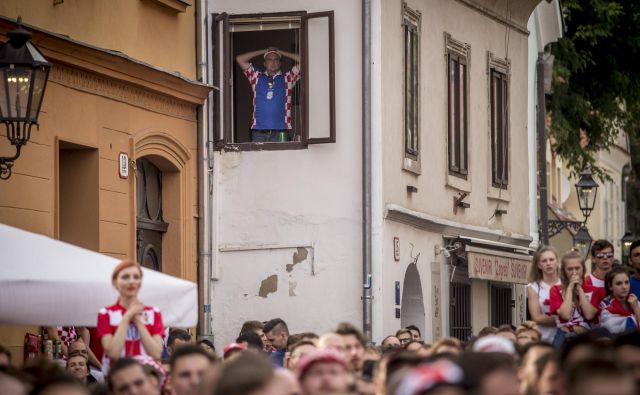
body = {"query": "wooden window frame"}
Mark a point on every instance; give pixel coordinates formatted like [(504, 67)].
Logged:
[(499, 120), (458, 54), (222, 100), (411, 22)]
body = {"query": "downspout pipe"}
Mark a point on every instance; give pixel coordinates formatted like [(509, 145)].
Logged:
[(367, 295), (205, 169), (542, 151)]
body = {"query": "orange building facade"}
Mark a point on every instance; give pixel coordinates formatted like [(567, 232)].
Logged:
[(135, 103)]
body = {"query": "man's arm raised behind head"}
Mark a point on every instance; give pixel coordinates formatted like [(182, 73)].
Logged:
[(243, 59), (293, 56)]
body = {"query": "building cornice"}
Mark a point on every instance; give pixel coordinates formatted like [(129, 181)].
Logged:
[(450, 228), (123, 92), (516, 13), (65, 51)]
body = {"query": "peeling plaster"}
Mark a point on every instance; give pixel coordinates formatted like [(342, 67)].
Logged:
[(300, 255), (268, 286), (292, 288)]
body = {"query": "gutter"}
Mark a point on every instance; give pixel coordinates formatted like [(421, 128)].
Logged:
[(205, 180), (367, 297)]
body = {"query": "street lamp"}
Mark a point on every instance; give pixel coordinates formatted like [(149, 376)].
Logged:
[(23, 77), (626, 242), (582, 241), (587, 189)]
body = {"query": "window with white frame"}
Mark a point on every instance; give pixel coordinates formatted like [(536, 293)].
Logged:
[(457, 56), (276, 80), (499, 120), (411, 30)]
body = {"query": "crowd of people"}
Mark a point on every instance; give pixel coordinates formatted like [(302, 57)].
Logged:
[(583, 339)]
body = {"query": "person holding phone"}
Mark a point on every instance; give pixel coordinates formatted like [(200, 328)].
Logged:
[(129, 328)]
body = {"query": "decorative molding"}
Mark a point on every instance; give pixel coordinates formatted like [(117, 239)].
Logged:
[(451, 44), (120, 91), (152, 142), (499, 64), (411, 16)]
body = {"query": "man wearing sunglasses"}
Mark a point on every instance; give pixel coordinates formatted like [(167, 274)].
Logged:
[(272, 94), (601, 264), (634, 261)]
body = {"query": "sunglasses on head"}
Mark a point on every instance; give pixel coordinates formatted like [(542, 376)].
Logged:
[(604, 255)]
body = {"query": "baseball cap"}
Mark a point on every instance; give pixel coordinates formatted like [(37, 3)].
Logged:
[(272, 50), (326, 355), (493, 343), (229, 348)]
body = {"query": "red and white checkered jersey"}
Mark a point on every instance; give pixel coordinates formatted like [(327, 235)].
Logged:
[(290, 78), (67, 334)]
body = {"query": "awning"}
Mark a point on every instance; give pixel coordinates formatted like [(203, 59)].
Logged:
[(47, 282), (492, 261)]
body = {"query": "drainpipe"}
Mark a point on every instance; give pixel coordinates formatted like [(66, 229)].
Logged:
[(542, 151), (205, 182), (366, 171)]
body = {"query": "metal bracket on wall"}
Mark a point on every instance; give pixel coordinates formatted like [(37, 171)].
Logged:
[(458, 202), (556, 227)]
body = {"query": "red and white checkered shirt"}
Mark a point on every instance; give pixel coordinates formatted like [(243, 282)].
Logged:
[(67, 334), (257, 77)]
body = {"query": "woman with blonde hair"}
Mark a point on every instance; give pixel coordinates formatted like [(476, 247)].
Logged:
[(528, 332), (572, 301), (542, 276), (448, 345), (128, 328)]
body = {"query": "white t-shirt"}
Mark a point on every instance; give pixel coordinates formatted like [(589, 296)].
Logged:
[(542, 289)]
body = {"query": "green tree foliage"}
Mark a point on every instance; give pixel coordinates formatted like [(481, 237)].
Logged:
[(596, 83)]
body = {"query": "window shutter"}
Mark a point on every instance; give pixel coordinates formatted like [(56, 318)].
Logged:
[(318, 78), (222, 79)]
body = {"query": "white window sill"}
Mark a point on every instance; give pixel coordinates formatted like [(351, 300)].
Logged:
[(503, 195), (412, 166), (459, 184)]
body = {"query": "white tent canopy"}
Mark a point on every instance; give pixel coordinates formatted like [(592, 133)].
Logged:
[(46, 282)]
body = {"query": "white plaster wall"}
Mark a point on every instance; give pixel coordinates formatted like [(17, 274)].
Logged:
[(272, 202), (392, 271)]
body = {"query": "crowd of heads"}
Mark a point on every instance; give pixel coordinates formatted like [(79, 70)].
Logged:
[(497, 360), (565, 352)]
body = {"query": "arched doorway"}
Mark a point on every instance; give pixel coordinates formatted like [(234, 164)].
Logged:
[(150, 224), (412, 307)]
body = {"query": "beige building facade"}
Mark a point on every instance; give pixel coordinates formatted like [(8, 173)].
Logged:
[(449, 218), (122, 91), (434, 146)]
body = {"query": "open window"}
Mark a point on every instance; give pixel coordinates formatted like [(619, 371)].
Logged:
[(306, 42)]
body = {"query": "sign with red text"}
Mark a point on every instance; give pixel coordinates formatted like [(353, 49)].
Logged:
[(498, 268)]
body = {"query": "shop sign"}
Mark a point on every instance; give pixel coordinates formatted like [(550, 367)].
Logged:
[(498, 268)]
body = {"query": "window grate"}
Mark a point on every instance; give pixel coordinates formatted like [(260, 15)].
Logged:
[(501, 305), (460, 311)]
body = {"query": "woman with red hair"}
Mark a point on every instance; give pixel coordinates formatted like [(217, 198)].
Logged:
[(128, 328)]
